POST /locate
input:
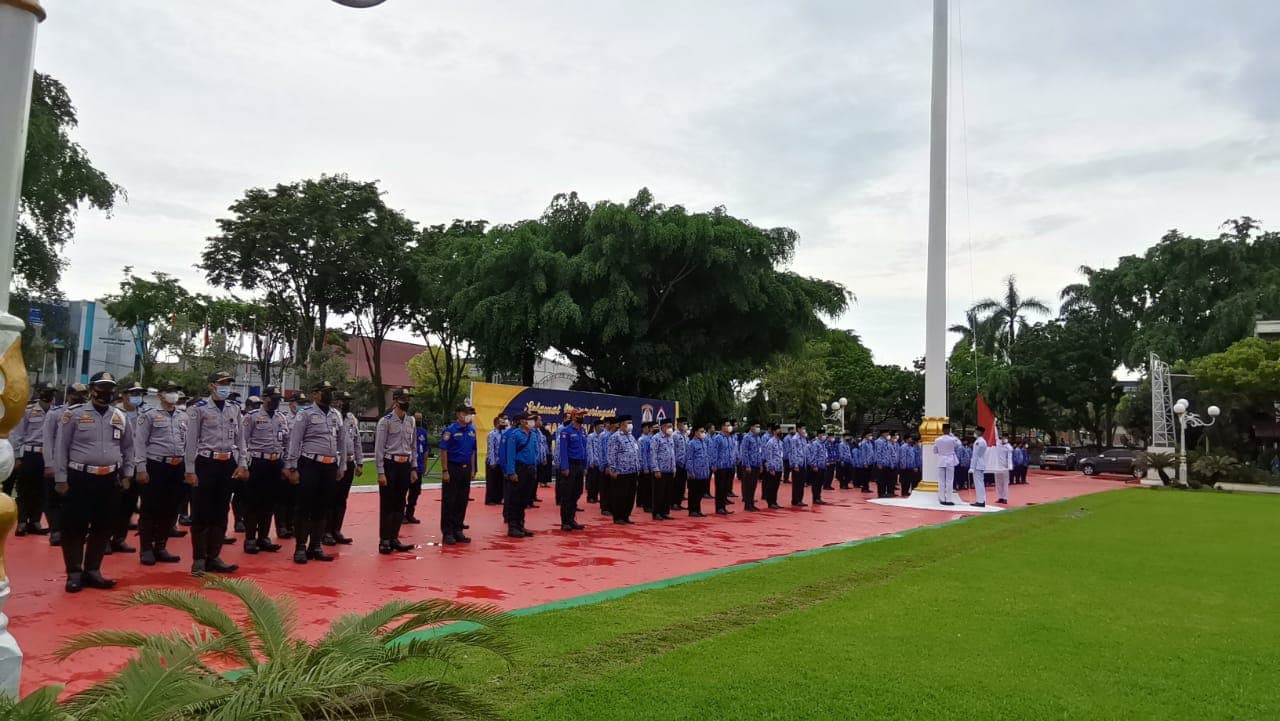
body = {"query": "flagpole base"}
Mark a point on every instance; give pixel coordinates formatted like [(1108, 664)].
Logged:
[(926, 499)]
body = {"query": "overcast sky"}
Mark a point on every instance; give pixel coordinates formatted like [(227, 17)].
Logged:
[(1092, 127)]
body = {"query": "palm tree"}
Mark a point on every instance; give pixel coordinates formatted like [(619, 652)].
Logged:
[(1075, 297), (39, 705), (1010, 311), (977, 332), (347, 674)]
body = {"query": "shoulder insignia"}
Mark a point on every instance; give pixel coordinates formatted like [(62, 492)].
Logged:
[(201, 403), (446, 435)]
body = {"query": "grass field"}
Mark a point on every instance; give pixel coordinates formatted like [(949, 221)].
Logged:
[(1126, 605)]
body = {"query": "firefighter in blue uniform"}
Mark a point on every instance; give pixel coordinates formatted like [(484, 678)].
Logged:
[(458, 470), (571, 462)]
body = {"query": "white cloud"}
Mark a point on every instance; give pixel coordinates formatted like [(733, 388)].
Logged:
[(1091, 127)]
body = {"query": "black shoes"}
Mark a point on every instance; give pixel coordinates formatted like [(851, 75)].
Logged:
[(94, 579), (449, 540), (384, 547), (285, 533), (396, 545), (147, 558), (577, 526), (197, 569), (300, 556), (74, 584), (318, 554), (343, 540), (946, 503), (228, 541), (723, 512), (184, 520), (697, 514), (623, 521), (268, 546), (517, 533), (1003, 501), (55, 538), (411, 520), (463, 539), (176, 532), (751, 509), (239, 525), (774, 506), (217, 565), (119, 547), (801, 504), (978, 505), (821, 502), (163, 556), (329, 540), (251, 547)]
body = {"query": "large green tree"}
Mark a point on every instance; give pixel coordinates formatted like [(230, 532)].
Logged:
[(151, 308), (1186, 297), (1244, 380), (640, 295), (298, 241), (1009, 311), (58, 180), (440, 264)]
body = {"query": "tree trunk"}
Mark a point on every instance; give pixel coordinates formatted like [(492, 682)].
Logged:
[(323, 329), (527, 361), (375, 374)]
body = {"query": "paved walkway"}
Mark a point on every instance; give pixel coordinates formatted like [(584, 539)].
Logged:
[(510, 573)]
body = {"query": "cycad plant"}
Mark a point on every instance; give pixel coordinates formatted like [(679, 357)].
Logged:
[(254, 668), (1210, 469), (1160, 461), (41, 705)]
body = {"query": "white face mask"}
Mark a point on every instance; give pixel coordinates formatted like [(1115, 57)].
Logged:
[(666, 431), (170, 398), (467, 419), (626, 427), (222, 392), (529, 424), (728, 429)]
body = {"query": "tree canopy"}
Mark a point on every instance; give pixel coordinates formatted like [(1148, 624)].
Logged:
[(58, 180)]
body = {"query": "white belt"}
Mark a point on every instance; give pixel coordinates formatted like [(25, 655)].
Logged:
[(93, 470), (397, 457), (171, 460), (33, 449), (327, 460), (215, 455)]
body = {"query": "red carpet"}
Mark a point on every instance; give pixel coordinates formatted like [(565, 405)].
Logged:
[(507, 572)]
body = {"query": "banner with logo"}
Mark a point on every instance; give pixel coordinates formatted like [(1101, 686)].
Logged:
[(492, 399)]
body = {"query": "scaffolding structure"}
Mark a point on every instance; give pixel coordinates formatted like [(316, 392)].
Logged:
[(1163, 427)]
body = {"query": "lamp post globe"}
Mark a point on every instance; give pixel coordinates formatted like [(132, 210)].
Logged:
[(1184, 403), (1180, 407), (823, 406), (359, 3), (1214, 411), (844, 401)]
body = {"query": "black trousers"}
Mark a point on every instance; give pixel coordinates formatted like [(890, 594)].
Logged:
[(622, 491), (88, 515), (644, 490), (286, 508), (828, 476), (798, 483), (818, 480), (317, 483), (126, 506), (392, 498), (453, 499), (989, 479), (724, 485), (515, 495), (264, 492), (662, 487), (338, 513), (238, 499), (769, 483), (844, 474), (786, 471), (750, 477), (210, 503), (411, 501), (569, 490), (678, 485), (906, 478), (30, 486), (886, 480), (962, 477), (160, 495), (492, 485), (52, 504), (697, 489), (593, 484), (544, 474)]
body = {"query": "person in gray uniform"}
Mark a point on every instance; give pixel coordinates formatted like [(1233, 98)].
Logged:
[(395, 455), (317, 449), (93, 459), (355, 467), (28, 448), (265, 431), (160, 446), (76, 394), (215, 460)]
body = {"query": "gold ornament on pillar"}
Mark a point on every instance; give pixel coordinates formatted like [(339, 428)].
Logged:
[(31, 6), (930, 429), (15, 389)]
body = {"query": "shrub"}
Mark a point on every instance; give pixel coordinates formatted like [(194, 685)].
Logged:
[(1161, 462), (1211, 469)]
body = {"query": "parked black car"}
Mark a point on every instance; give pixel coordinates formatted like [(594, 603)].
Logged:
[(1058, 457), (1121, 461)]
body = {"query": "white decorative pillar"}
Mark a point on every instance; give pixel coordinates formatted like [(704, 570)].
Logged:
[(18, 20)]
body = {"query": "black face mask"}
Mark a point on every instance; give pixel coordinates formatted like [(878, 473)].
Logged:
[(345, 408), (326, 398), (46, 398), (101, 396), (402, 405), (273, 404)]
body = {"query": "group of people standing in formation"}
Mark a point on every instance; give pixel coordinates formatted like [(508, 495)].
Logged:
[(672, 464), (91, 463)]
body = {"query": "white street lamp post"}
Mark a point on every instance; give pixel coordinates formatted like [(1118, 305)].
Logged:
[(833, 412), (1187, 418)]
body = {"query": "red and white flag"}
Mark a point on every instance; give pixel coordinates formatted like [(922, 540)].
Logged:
[(987, 420)]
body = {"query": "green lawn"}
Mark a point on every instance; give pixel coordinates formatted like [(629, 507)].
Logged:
[(370, 474), (1134, 604)]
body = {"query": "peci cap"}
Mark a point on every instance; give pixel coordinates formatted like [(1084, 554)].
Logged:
[(400, 393), (464, 408), (622, 419), (271, 392), (220, 377), (102, 378)]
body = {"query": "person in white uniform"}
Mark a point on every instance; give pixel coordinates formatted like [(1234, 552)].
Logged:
[(945, 448), (1002, 457), (978, 466)]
